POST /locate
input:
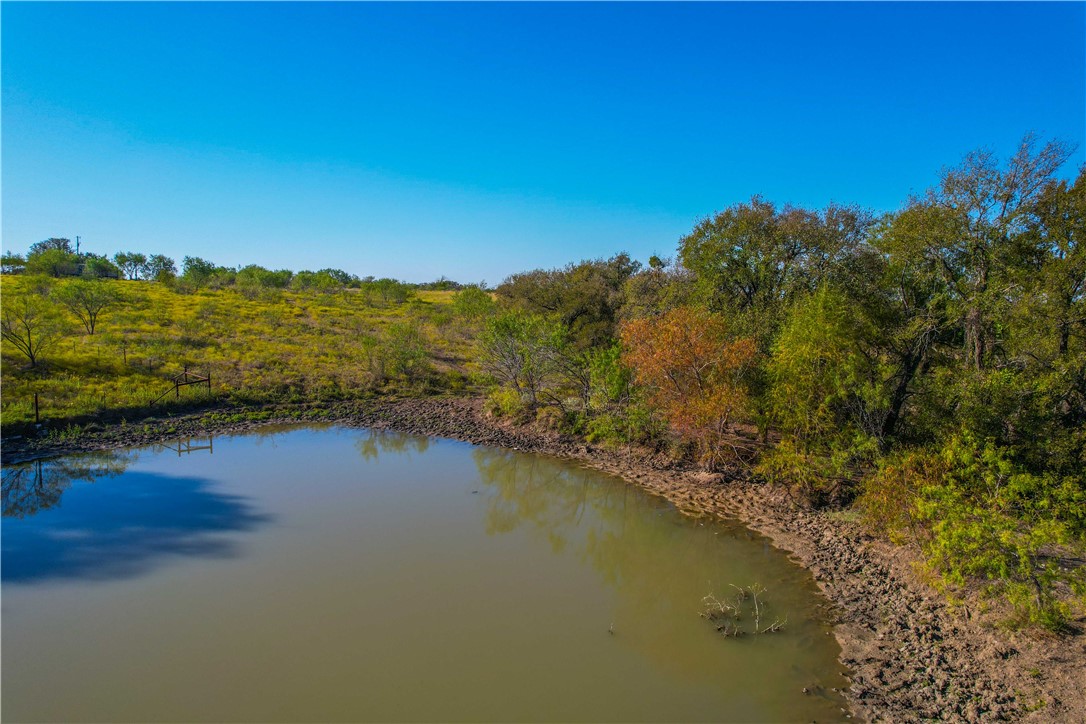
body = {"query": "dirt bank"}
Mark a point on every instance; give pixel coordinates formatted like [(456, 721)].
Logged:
[(910, 655)]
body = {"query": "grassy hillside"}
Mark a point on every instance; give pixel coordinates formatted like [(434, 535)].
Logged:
[(275, 345)]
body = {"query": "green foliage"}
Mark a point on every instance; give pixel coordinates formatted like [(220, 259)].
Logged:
[(29, 323), (473, 304), (407, 351), (96, 266), (518, 351), (988, 518), (751, 259), (52, 261), (160, 268), (197, 271), (132, 263), (88, 300), (505, 402), (293, 346), (584, 298)]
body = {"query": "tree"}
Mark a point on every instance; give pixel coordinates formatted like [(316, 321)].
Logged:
[(694, 369), (132, 263), (51, 244), (88, 300), (160, 268), (472, 303), (257, 277), (54, 262), (970, 228), (30, 324), (584, 297), (201, 272), (514, 348), (752, 259), (97, 266)]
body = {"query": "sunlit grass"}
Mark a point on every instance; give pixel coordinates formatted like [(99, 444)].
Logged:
[(292, 346)]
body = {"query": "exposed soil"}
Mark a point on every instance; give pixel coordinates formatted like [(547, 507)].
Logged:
[(910, 655)]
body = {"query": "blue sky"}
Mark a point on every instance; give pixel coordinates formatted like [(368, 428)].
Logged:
[(477, 140)]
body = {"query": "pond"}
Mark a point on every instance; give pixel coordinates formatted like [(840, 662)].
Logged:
[(335, 574)]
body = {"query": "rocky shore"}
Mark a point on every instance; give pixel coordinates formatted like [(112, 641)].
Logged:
[(910, 655)]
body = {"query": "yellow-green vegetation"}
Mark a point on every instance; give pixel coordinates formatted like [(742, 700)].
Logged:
[(272, 345), (927, 367)]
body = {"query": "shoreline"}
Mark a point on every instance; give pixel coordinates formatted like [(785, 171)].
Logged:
[(911, 655)]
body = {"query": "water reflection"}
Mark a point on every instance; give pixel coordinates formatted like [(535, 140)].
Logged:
[(31, 487), (390, 441), (661, 563), (186, 446), (120, 529)]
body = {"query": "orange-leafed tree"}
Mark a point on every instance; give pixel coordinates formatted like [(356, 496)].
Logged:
[(694, 369)]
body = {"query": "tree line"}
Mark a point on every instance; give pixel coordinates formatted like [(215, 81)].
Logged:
[(55, 258), (927, 365)]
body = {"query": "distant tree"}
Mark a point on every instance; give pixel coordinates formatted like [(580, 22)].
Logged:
[(30, 323), (52, 261), (304, 279), (96, 266), (161, 268), (88, 300), (51, 244), (472, 303), (12, 263), (132, 263), (441, 284), (196, 270), (585, 297), (392, 291), (342, 278)]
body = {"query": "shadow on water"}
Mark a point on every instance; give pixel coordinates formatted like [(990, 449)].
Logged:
[(121, 527)]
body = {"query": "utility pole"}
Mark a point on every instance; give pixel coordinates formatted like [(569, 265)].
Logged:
[(77, 246)]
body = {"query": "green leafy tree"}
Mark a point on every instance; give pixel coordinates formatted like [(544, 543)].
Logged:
[(473, 303), (751, 260), (969, 230), (88, 300), (515, 348), (30, 323), (51, 244), (97, 266), (196, 270), (132, 263), (160, 268), (53, 262), (584, 297)]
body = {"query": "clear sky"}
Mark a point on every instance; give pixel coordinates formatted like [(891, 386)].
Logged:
[(477, 140)]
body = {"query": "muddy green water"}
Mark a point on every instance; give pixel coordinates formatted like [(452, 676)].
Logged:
[(331, 574)]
